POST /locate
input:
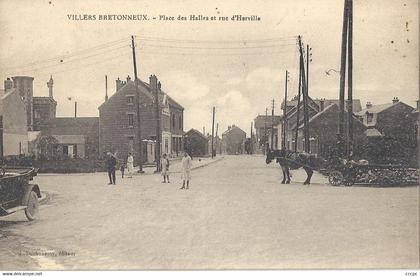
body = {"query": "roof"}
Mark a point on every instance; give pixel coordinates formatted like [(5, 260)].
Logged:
[(372, 132), (195, 132), (260, 120), (71, 125), (130, 83), (233, 127), (43, 99), (375, 108), (357, 106)]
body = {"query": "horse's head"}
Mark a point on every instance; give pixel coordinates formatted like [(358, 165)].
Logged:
[(269, 157)]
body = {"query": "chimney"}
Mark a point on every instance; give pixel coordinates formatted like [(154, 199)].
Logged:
[(368, 105), (106, 87), (119, 84), (50, 84), (8, 84), (395, 100), (321, 104), (153, 83), (417, 104), (128, 78)]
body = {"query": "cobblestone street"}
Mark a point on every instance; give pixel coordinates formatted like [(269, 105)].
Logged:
[(236, 215)]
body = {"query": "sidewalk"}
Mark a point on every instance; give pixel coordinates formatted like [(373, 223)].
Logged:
[(175, 164)]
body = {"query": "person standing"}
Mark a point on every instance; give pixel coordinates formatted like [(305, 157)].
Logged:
[(122, 169), (111, 162), (130, 165), (165, 167), (186, 170)]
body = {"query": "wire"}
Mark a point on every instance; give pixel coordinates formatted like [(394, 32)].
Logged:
[(214, 48), (145, 38)]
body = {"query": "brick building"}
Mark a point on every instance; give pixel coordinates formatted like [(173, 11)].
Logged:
[(233, 140), (76, 137), (195, 143), (13, 119), (118, 129), (391, 130)]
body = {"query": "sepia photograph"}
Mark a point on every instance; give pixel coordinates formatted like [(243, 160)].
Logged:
[(209, 135)]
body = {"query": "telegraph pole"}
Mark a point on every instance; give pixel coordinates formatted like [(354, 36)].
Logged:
[(305, 99), (217, 140), (137, 107), (285, 112), (106, 87), (251, 144), (298, 108), (272, 125), (75, 109), (158, 131), (350, 81), (265, 130), (212, 133), (342, 78)]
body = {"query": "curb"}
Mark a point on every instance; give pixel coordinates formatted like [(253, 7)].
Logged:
[(204, 165)]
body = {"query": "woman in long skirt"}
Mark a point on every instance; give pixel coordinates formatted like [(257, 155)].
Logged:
[(130, 165)]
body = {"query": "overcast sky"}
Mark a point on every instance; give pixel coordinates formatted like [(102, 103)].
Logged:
[(236, 66)]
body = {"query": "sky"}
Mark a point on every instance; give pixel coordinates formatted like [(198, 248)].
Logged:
[(236, 66)]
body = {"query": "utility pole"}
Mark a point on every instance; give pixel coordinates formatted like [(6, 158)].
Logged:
[(350, 81), (251, 144), (106, 87), (285, 112), (265, 129), (140, 158), (308, 60), (305, 99), (75, 109), (298, 109), (341, 124), (272, 125), (212, 134), (217, 140), (1, 140), (158, 131)]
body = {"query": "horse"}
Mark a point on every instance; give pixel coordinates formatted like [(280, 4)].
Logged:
[(289, 160)]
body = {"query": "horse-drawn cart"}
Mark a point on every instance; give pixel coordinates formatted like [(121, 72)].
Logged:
[(350, 173), (16, 193)]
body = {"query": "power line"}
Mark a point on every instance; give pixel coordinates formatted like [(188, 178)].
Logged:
[(159, 39)]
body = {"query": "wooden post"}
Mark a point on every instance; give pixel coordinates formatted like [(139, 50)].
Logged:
[(350, 81), (272, 125), (212, 133), (342, 77), (140, 158), (285, 112), (305, 99), (75, 109)]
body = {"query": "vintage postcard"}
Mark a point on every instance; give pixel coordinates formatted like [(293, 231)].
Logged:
[(172, 135)]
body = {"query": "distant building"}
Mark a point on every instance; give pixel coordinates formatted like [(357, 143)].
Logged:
[(262, 125), (391, 131), (196, 144), (217, 144), (44, 108), (76, 137), (14, 124), (233, 140), (118, 129), (322, 133)]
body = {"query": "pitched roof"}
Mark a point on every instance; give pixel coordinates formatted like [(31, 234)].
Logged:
[(71, 125), (260, 120), (196, 132), (231, 129), (375, 108)]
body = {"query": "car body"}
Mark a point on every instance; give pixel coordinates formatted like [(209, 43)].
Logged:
[(17, 193)]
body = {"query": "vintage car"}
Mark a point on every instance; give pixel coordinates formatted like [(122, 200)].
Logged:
[(16, 193)]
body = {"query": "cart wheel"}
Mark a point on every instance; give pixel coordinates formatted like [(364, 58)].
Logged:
[(335, 178), (32, 206)]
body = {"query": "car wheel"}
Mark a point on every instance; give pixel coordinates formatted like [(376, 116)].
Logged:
[(32, 206)]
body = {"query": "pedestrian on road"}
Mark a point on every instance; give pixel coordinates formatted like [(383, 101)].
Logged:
[(165, 167), (186, 170), (122, 169), (130, 165), (111, 162)]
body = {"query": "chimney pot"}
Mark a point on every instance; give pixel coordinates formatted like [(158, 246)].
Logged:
[(395, 100), (368, 105), (128, 78)]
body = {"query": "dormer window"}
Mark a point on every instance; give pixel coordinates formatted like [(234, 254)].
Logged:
[(369, 117)]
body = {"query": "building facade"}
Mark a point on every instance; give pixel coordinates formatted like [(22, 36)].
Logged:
[(196, 144), (118, 124), (233, 140)]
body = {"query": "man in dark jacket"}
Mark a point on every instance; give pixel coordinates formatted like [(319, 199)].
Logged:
[(111, 162)]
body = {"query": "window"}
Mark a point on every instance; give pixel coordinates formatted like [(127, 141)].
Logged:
[(369, 117), (130, 99), (131, 120), (173, 121)]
